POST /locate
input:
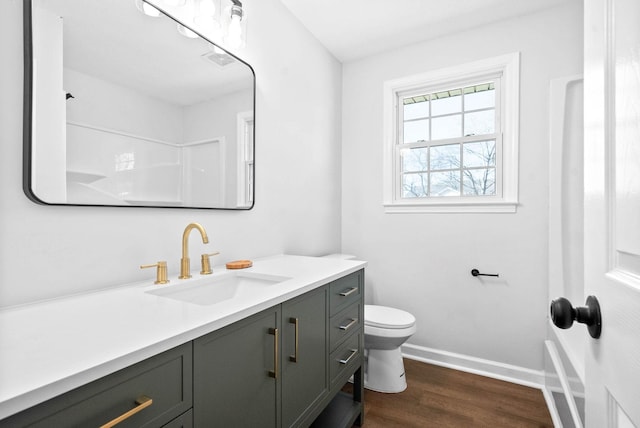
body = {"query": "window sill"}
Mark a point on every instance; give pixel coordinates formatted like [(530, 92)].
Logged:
[(450, 207)]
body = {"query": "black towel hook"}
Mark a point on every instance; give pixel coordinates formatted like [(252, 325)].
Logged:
[(476, 272)]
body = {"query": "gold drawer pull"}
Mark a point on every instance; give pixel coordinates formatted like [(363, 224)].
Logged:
[(142, 403), (296, 323), (274, 373), (348, 326), (346, 361), (349, 292)]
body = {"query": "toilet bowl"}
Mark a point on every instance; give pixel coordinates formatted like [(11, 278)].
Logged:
[(385, 330)]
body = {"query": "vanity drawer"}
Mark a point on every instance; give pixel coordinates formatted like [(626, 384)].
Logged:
[(165, 378), (345, 291), (344, 323), (185, 420), (344, 358)]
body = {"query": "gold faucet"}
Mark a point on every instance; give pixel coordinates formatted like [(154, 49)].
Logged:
[(161, 272), (185, 268)]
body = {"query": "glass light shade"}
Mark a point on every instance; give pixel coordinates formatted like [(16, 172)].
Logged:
[(234, 32), (207, 8), (147, 9), (174, 2), (209, 27), (234, 21)]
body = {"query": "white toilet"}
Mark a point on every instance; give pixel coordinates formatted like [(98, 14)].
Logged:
[(385, 330)]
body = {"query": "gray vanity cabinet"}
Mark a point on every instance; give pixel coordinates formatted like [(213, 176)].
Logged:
[(283, 367), (304, 356), (316, 340), (268, 370), (235, 371), (185, 420)]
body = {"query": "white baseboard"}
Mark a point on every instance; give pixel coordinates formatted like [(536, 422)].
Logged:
[(479, 366)]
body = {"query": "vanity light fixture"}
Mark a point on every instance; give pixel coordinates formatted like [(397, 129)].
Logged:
[(226, 26), (205, 17), (147, 9), (207, 8), (174, 3), (234, 19)]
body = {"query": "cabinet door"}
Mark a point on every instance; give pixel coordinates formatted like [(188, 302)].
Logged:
[(234, 374), (304, 355)]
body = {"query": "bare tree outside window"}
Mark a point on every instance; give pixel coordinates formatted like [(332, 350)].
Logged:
[(439, 170)]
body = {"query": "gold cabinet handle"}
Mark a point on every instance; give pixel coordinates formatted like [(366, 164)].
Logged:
[(161, 273), (346, 293), (274, 373), (296, 323), (206, 263), (348, 326), (346, 361), (142, 403)]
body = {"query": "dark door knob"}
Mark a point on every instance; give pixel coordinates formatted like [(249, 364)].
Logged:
[(563, 314)]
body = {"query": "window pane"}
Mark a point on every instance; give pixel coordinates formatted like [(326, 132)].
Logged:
[(446, 127), (446, 183), (415, 160), (479, 181), (415, 185), (478, 100), (417, 130), (445, 157), (446, 105), (480, 122), (482, 153), (416, 110)]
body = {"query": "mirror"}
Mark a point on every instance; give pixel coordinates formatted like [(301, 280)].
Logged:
[(121, 109)]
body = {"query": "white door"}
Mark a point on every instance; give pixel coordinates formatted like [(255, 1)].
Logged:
[(612, 209)]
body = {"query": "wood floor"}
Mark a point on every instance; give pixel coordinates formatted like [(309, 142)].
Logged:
[(441, 397)]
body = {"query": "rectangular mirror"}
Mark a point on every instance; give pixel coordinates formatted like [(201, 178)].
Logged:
[(126, 109)]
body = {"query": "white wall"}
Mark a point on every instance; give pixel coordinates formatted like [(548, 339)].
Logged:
[(49, 179), (217, 119), (421, 262), (96, 118), (111, 105), (48, 251)]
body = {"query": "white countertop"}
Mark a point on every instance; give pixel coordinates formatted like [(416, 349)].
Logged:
[(51, 347)]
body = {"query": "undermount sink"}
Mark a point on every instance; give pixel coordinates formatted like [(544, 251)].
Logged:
[(218, 287)]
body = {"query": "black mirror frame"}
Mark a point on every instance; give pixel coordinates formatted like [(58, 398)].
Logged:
[(27, 109)]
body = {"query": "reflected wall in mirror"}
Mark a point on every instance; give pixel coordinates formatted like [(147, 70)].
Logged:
[(123, 110)]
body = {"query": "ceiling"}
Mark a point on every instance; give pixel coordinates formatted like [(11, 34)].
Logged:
[(352, 29), (113, 41)]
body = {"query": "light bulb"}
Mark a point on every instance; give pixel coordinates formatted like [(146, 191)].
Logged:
[(174, 2), (207, 8), (234, 36), (147, 9)]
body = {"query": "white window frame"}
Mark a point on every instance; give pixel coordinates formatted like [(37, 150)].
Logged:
[(245, 155), (506, 198)]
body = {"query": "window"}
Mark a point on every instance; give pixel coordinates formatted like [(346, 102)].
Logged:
[(451, 139), (245, 159)]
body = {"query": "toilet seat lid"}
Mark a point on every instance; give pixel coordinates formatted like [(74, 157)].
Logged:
[(385, 317)]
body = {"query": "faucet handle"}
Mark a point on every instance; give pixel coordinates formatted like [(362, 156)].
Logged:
[(206, 264), (161, 273)]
